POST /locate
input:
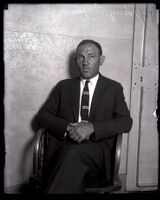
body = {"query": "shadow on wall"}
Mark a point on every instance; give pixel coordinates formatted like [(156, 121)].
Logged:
[(73, 71)]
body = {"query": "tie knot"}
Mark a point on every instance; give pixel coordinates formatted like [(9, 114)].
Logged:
[(87, 81)]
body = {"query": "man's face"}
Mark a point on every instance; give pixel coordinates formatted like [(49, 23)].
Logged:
[(88, 60)]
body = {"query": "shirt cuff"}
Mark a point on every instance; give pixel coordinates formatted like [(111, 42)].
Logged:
[(65, 134)]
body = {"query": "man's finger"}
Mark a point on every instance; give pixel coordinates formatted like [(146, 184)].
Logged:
[(76, 138), (79, 140), (71, 130), (73, 124)]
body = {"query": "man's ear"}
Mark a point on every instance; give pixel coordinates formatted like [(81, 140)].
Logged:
[(102, 58)]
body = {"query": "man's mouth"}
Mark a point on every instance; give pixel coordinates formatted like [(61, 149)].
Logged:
[(86, 69)]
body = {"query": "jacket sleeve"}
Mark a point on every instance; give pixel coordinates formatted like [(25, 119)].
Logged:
[(48, 114), (120, 123)]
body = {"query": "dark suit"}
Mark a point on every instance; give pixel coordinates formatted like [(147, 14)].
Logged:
[(109, 113)]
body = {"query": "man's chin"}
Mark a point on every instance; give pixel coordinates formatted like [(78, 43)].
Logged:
[(86, 76)]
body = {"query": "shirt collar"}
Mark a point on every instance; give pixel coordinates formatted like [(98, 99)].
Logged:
[(93, 80)]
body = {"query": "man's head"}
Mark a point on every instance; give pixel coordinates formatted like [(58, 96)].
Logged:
[(89, 58)]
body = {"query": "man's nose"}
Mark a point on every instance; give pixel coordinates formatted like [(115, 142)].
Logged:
[(85, 61)]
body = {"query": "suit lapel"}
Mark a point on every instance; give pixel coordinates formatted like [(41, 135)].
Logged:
[(74, 97), (98, 93)]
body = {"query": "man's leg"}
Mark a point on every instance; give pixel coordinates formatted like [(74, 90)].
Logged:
[(74, 161)]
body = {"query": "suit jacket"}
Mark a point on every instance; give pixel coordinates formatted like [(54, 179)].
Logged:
[(109, 113)]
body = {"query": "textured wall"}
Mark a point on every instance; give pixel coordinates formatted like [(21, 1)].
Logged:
[(39, 42)]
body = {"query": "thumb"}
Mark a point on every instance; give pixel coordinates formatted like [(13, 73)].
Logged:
[(73, 124)]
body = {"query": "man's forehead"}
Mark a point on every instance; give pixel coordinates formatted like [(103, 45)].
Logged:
[(87, 47)]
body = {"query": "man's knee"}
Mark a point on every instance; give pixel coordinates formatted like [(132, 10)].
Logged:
[(74, 154)]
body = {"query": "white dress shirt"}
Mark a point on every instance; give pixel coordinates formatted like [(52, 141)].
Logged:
[(91, 86)]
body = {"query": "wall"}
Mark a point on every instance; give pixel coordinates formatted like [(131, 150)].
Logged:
[(39, 42)]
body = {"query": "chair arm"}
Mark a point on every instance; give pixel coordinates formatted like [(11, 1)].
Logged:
[(116, 180), (38, 152)]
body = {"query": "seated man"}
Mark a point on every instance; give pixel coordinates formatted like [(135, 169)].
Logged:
[(82, 115)]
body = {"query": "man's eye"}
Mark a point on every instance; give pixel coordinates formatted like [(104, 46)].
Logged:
[(80, 57), (91, 56)]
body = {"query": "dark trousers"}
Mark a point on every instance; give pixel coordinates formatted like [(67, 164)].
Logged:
[(70, 164)]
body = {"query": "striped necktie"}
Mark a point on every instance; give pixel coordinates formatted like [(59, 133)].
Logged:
[(85, 102)]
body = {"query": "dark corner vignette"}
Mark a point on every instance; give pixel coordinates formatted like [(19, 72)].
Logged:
[(2, 138)]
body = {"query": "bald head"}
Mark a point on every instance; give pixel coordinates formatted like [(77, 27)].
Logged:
[(96, 44)]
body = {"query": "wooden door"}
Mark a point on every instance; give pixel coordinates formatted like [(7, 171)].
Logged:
[(142, 163)]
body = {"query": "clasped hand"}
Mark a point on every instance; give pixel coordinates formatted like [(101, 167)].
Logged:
[(80, 131)]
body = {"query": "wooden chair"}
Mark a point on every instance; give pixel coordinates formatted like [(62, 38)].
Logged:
[(41, 143)]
